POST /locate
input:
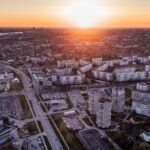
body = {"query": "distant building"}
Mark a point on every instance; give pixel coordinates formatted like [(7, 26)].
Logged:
[(75, 79), (147, 68), (143, 60), (62, 72), (97, 61), (124, 70), (142, 86), (67, 64), (86, 68), (131, 76), (83, 62), (107, 76), (148, 75)]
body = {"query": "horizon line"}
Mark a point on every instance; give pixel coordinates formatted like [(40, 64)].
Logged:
[(48, 27)]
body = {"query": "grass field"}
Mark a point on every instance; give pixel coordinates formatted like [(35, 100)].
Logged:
[(68, 135), (25, 107), (16, 86)]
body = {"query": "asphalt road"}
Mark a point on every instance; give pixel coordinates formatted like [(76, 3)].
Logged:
[(40, 115)]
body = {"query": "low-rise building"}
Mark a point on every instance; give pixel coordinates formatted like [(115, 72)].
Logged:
[(67, 64), (147, 68), (75, 79), (83, 62), (64, 71), (142, 86), (86, 68), (97, 61), (124, 70), (108, 76), (143, 59), (131, 76)]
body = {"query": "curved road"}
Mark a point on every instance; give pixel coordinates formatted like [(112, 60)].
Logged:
[(40, 115)]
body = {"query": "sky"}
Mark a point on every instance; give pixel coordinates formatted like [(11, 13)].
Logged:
[(52, 13)]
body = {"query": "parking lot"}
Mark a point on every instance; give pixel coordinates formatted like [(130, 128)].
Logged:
[(73, 122), (93, 140), (11, 106)]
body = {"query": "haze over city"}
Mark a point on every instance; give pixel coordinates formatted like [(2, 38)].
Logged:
[(74, 13), (74, 75)]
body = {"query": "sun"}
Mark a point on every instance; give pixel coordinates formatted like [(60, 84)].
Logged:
[(84, 14)]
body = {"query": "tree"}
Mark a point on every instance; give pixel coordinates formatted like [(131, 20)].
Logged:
[(142, 146)]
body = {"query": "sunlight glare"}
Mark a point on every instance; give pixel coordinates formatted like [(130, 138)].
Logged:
[(85, 14)]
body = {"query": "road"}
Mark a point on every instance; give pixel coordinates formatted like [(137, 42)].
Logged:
[(35, 108), (36, 88)]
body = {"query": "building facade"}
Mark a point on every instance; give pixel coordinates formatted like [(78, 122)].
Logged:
[(103, 114)]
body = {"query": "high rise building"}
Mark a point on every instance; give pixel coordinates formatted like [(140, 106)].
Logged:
[(103, 113), (118, 99)]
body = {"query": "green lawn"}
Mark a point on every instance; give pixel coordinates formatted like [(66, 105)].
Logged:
[(16, 86), (32, 128), (70, 104), (69, 135), (25, 107)]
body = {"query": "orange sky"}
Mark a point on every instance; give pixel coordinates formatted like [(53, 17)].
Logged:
[(48, 13)]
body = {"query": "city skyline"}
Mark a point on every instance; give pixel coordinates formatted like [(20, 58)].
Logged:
[(50, 13)]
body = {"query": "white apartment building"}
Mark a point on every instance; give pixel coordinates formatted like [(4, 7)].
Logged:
[(54, 78), (141, 107), (142, 87), (140, 95), (141, 102), (130, 58), (148, 75), (86, 68), (124, 70), (67, 64), (108, 76), (118, 99), (103, 67), (110, 63), (62, 72), (103, 113), (93, 97), (124, 63), (147, 68), (75, 79), (116, 61), (83, 62), (143, 60), (97, 61), (127, 58), (131, 76), (134, 57)]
